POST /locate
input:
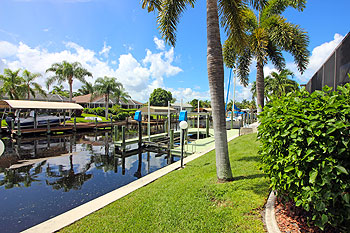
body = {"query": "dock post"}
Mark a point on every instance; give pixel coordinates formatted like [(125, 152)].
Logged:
[(75, 124), (48, 127), (95, 123), (171, 139), (111, 123), (207, 126), (12, 124), (232, 119), (18, 127), (64, 118), (35, 121), (123, 138), (140, 135), (116, 132)]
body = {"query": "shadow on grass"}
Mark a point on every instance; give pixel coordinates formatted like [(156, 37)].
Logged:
[(248, 177), (250, 158)]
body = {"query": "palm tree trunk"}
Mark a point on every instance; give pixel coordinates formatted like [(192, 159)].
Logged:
[(260, 86), (216, 84), (106, 106), (70, 81)]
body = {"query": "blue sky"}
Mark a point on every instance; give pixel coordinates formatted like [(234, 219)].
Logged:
[(118, 38)]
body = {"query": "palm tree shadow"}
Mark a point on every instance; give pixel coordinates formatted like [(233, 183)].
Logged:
[(250, 159), (248, 177)]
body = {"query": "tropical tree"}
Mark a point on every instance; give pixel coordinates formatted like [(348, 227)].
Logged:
[(86, 88), (268, 34), (59, 90), (277, 84), (160, 97), (107, 86), (66, 71), (32, 87), (232, 20), (13, 84), (121, 94)]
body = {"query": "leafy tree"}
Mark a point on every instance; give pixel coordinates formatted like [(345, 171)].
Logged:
[(29, 82), (194, 103), (169, 13), (268, 34), (107, 86), (66, 71), (160, 97), (13, 84)]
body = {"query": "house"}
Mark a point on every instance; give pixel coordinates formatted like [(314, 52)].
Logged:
[(39, 97), (87, 101), (185, 106)]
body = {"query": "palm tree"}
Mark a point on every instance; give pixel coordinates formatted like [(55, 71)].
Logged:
[(231, 19), (13, 84), (281, 84), (29, 82), (86, 88), (268, 34), (107, 86), (66, 71), (121, 94)]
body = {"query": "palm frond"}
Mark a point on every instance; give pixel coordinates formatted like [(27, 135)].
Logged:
[(244, 62), (277, 7), (151, 5), (168, 18), (276, 56), (291, 38), (232, 18)]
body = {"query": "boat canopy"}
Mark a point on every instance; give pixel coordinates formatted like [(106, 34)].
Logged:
[(28, 104)]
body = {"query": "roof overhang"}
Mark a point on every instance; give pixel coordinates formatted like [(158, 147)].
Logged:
[(28, 104)]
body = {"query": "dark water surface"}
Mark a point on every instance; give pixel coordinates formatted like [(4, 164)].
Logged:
[(42, 178)]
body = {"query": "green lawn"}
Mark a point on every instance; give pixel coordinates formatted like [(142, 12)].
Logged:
[(82, 120), (190, 200)]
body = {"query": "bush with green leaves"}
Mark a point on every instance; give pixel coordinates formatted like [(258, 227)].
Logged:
[(306, 152)]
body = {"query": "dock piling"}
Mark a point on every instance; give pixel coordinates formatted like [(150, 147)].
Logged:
[(171, 142), (75, 123), (123, 138), (116, 132), (207, 126), (140, 135), (48, 127), (18, 127)]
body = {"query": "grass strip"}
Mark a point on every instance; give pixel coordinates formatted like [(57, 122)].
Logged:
[(190, 200)]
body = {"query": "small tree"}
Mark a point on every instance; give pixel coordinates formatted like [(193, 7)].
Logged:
[(160, 97)]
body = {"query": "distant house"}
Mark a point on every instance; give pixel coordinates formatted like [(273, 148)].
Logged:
[(204, 110), (99, 101), (39, 97), (185, 106)]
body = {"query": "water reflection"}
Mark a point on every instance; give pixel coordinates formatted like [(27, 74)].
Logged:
[(48, 175)]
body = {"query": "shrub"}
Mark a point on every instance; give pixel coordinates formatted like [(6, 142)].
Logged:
[(305, 150), (100, 111)]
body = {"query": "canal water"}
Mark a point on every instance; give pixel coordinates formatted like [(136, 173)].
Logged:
[(43, 177)]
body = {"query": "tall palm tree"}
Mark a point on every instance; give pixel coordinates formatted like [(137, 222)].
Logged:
[(121, 94), (107, 86), (66, 71), (29, 82), (13, 84), (268, 34), (231, 19)]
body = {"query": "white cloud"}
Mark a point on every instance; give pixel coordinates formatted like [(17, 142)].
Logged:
[(318, 57), (187, 94), (138, 77), (159, 43), (7, 49), (105, 50)]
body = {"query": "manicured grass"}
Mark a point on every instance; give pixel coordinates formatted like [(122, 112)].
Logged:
[(82, 120), (190, 200)]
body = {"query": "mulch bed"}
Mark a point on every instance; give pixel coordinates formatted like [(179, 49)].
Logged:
[(293, 219)]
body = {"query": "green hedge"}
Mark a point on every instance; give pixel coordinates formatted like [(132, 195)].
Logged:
[(305, 150)]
